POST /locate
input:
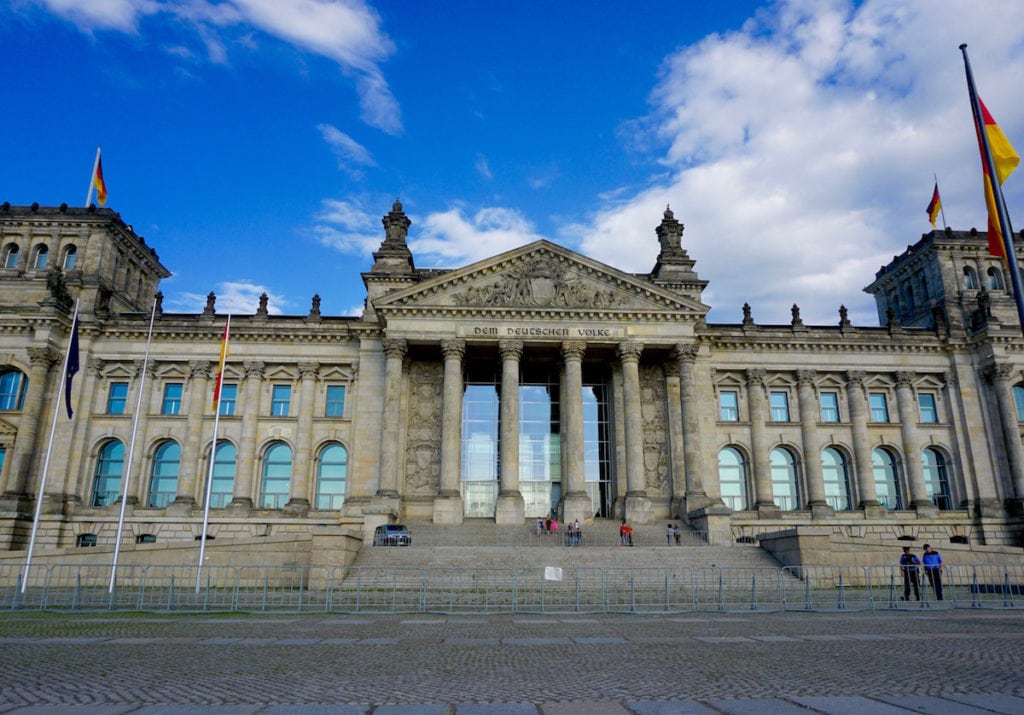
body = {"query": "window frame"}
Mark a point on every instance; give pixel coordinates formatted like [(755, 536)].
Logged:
[(933, 409), (832, 410), (280, 406), (876, 410), (114, 400), (779, 412), (12, 399), (228, 399), (727, 412), (334, 407), (171, 404)]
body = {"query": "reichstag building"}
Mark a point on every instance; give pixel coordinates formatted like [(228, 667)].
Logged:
[(535, 381)]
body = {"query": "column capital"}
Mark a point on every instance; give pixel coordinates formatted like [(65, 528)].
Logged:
[(42, 357), (755, 376), (855, 378), (453, 349), (686, 352), (805, 377), (998, 372), (308, 369), (629, 350), (199, 368), (254, 368), (573, 350), (395, 347), (94, 364), (904, 378), (510, 349)]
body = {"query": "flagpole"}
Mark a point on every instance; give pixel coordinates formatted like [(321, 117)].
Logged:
[(92, 177), (942, 209), (997, 191), (131, 452), (213, 453), (46, 461)]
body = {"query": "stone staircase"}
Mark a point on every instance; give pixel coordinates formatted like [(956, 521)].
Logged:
[(480, 544)]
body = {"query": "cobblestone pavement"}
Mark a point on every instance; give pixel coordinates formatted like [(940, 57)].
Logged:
[(764, 663)]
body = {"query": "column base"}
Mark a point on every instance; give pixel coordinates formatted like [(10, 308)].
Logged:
[(695, 502), (181, 506), (17, 502), (297, 508), (715, 522), (769, 510), (925, 509), (822, 511), (239, 506), (448, 509), (639, 509), (873, 510), (577, 505), (511, 509)]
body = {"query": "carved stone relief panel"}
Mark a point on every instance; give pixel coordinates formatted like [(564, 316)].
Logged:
[(423, 447), (542, 282), (655, 425)]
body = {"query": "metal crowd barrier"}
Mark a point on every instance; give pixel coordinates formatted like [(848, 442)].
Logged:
[(299, 589)]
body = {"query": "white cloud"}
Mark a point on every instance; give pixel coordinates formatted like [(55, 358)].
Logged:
[(348, 151), (346, 31), (483, 168), (800, 150), (345, 226), (241, 297), (451, 238)]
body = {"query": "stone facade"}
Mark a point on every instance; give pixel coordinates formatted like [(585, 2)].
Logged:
[(625, 402)]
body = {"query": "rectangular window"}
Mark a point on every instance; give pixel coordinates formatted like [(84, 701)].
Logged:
[(228, 398), (879, 407), (117, 396), (926, 405), (172, 399), (829, 407), (280, 400), (780, 406), (729, 406), (335, 401)]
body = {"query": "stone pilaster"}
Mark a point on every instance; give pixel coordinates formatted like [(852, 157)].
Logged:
[(812, 454), (298, 497), (188, 475), (907, 410), (241, 501), (135, 481), (862, 463), (16, 496), (760, 462), (576, 504), (448, 506), (1000, 378), (394, 367), (510, 508), (696, 497), (674, 413)]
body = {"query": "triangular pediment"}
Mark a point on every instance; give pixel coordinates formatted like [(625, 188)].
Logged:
[(540, 277)]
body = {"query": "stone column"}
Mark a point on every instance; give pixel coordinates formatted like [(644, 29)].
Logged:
[(696, 497), (1000, 377), (188, 475), (241, 501), (576, 504), (638, 504), (674, 412), (448, 506), (907, 409), (812, 450), (298, 496), (16, 496), (863, 466), (394, 356), (510, 509), (760, 462)]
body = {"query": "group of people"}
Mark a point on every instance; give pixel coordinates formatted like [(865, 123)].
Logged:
[(549, 527), (909, 565), (625, 534), (672, 533)]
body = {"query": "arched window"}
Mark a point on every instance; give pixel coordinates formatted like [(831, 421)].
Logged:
[(13, 384), (970, 279), (277, 476), (784, 487), (163, 485), (936, 477), (887, 486), (223, 486), (1018, 399), (732, 478), (70, 256), (11, 256), (109, 465), (42, 253), (331, 470), (836, 478), (995, 279)]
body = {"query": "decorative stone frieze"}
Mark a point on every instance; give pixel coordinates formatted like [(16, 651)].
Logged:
[(423, 450)]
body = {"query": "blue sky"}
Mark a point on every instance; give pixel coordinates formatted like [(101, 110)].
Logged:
[(256, 143)]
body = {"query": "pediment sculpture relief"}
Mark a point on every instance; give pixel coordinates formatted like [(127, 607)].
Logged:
[(541, 283)]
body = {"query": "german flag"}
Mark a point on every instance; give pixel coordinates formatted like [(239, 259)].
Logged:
[(1005, 160), (934, 206), (97, 181)]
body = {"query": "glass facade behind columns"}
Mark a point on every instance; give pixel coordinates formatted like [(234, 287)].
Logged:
[(540, 446), (480, 447)]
